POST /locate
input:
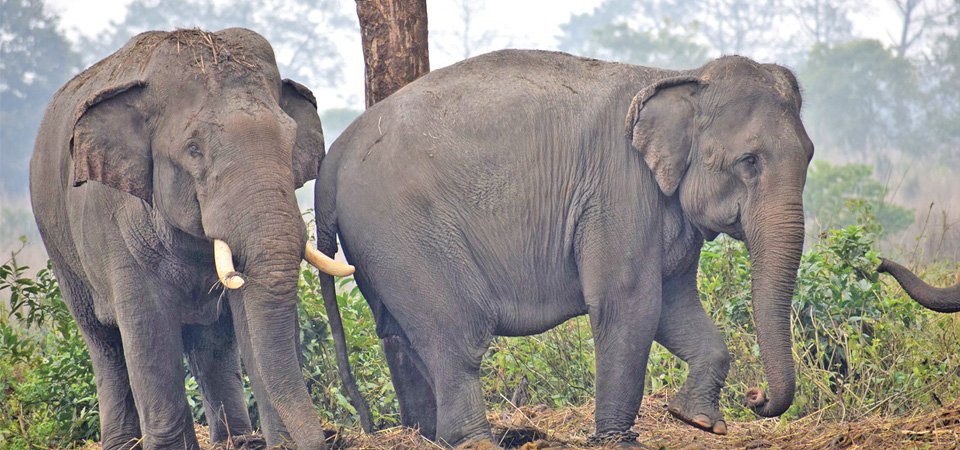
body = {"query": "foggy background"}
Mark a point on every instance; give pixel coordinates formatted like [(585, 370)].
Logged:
[(880, 80)]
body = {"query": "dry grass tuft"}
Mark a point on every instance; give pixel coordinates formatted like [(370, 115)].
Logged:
[(207, 49), (541, 428)]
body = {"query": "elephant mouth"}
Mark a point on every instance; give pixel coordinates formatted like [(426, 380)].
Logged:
[(734, 228), (231, 279)]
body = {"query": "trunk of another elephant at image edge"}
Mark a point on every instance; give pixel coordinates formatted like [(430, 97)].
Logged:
[(271, 251), (945, 300), (775, 242)]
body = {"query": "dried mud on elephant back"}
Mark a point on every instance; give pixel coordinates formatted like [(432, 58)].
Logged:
[(542, 428)]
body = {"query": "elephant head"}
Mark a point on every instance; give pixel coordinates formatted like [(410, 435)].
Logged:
[(728, 141), (201, 127), (945, 300)]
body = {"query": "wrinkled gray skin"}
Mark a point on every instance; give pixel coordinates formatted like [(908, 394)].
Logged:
[(945, 300), (503, 195), (211, 144)]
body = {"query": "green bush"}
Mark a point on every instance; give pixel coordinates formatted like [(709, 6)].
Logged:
[(861, 346), (47, 391), (842, 195)]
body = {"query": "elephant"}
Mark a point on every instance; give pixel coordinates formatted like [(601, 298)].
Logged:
[(945, 300), (509, 192), (149, 169)]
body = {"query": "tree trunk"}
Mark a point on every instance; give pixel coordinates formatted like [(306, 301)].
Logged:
[(394, 39)]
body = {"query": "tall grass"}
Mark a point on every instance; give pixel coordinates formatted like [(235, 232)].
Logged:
[(861, 347)]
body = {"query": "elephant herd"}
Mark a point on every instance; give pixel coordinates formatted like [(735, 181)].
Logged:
[(499, 196)]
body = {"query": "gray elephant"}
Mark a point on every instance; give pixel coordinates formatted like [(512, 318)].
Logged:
[(945, 300), (502, 196), (193, 143)]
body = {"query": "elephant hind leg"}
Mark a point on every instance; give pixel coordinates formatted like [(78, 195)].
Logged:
[(119, 421), (418, 407), (461, 414), (687, 331)]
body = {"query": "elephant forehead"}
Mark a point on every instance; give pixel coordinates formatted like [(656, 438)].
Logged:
[(216, 62)]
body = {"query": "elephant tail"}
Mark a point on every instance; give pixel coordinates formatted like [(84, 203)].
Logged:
[(329, 292), (327, 230)]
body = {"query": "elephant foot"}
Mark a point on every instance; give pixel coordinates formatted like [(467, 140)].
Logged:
[(707, 418), (615, 439), (478, 444), (245, 442)]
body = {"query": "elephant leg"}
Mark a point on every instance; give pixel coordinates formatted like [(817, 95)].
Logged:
[(119, 421), (622, 291), (418, 407), (271, 425), (455, 371), (687, 331), (451, 350), (214, 361), (153, 350)]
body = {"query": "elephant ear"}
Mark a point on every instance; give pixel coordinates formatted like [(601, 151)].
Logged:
[(300, 104), (660, 125), (111, 140)]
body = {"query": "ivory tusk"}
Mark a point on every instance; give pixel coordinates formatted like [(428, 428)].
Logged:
[(326, 264), (223, 260)]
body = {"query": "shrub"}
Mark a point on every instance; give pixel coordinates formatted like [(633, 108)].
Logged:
[(47, 389), (843, 195)]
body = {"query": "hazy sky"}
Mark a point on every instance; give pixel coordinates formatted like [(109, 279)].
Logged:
[(507, 23)]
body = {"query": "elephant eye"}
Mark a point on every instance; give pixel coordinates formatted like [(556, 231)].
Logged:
[(194, 149), (748, 166)]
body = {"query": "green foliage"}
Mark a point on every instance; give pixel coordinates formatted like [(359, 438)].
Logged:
[(842, 195), (860, 346), (363, 346), (861, 97), (46, 379)]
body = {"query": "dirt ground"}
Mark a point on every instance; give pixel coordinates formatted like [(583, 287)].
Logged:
[(540, 428)]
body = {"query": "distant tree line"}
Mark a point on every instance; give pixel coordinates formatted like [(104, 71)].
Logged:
[(863, 100)]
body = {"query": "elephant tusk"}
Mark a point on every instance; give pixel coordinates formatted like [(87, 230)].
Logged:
[(325, 263), (223, 260)]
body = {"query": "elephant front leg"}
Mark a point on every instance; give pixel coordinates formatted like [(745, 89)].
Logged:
[(623, 346), (688, 332), (622, 292), (153, 351), (119, 420), (215, 362)]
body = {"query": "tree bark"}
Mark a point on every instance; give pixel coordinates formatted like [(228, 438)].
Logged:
[(394, 38)]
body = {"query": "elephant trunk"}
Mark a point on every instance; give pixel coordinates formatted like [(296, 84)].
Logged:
[(945, 300), (261, 223), (774, 237)]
